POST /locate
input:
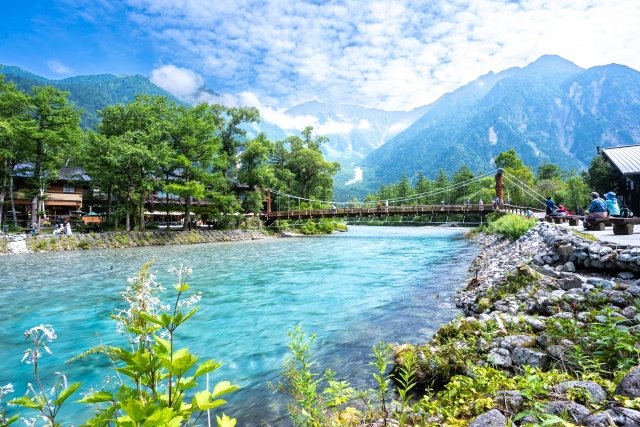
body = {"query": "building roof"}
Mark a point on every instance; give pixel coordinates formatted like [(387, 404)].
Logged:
[(625, 158), (65, 173)]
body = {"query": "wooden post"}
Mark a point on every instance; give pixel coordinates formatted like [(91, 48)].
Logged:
[(499, 186), (268, 200)]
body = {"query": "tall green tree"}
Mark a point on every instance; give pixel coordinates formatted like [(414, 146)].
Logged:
[(602, 176), (230, 121), (53, 138), (422, 187), (461, 184), (257, 171), (312, 175), (441, 186), (137, 136), (404, 190), (15, 123), (194, 146), (518, 178)]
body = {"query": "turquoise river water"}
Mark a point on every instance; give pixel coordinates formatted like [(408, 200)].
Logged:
[(352, 289)]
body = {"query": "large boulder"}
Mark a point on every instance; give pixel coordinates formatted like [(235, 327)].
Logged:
[(616, 416), (594, 389), (630, 384), (521, 356), (575, 411), (499, 357), (493, 418)]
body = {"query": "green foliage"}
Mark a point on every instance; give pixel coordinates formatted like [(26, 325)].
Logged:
[(603, 345), (510, 226), (602, 176)]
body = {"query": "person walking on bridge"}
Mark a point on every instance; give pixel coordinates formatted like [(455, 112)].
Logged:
[(597, 209)]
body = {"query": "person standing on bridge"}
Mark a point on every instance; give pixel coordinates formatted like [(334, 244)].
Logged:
[(597, 209), (334, 209)]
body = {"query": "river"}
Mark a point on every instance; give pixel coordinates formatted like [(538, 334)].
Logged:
[(353, 289)]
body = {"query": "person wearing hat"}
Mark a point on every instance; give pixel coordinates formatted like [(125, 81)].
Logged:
[(612, 204), (597, 209)]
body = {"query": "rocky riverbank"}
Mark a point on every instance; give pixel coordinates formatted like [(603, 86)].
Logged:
[(21, 243), (549, 336)]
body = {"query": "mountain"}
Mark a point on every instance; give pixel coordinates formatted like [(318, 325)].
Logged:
[(89, 93), (549, 111)]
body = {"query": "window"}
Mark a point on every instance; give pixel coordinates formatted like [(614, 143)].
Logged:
[(68, 188)]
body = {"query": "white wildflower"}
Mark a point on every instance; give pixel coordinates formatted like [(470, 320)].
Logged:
[(191, 301), (6, 389), (42, 330)]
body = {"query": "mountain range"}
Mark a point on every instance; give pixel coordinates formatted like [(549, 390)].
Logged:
[(549, 111)]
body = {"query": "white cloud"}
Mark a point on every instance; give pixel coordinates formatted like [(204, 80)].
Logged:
[(181, 82), (58, 67), (392, 55)]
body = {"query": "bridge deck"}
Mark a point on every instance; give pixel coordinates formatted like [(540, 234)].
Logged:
[(391, 210)]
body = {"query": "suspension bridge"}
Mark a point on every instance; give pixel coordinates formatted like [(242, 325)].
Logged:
[(411, 209)]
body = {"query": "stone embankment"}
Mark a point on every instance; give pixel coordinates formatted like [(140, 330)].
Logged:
[(21, 243), (525, 290)]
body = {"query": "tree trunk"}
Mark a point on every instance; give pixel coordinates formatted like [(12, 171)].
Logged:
[(141, 227), (127, 226), (187, 214), (34, 210), (109, 203), (13, 205)]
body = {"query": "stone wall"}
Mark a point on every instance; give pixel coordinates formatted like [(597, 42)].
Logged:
[(21, 243)]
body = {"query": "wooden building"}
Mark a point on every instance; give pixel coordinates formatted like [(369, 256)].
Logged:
[(626, 160)]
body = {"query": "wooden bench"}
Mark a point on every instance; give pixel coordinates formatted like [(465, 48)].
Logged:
[(623, 226)]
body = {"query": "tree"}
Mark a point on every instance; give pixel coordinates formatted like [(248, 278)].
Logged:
[(442, 186), (15, 123), (518, 178), (54, 134), (461, 183), (549, 171), (194, 144), (311, 173), (136, 136), (404, 190), (422, 187), (229, 123), (602, 176)]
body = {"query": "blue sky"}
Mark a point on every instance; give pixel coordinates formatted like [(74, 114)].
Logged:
[(274, 54)]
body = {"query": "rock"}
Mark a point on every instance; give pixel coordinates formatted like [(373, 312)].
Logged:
[(616, 416), (558, 352), (595, 390), (629, 312), (634, 290), (575, 411), (569, 266), (600, 283), (630, 384), (570, 282), (512, 341), (521, 356), (626, 275), (538, 325), (499, 357), (492, 418), (508, 402)]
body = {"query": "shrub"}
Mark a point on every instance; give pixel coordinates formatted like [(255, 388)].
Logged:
[(511, 226)]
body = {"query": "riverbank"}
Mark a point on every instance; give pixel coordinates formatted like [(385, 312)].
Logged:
[(549, 336), (22, 243)]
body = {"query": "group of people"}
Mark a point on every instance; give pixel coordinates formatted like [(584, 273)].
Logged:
[(62, 229), (598, 208)]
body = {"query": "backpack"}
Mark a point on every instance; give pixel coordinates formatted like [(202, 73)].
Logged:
[(625, 212)]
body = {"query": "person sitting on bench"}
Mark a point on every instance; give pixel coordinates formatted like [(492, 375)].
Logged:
[(597, 209), (612, 204)]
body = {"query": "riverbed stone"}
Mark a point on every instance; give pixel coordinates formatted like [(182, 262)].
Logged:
[(626, 275), (594, 389), (499, 357), (616, 416), (521, 356), (509, 402), (575, 411), (512, 341), (492, 418), (630, 384)]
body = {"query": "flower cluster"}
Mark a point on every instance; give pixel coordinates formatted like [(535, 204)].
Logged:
[(40, 335)]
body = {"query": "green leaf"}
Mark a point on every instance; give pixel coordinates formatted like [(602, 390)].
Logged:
[(225, 421), (181, 287), (98, 396), (201, 400), (224, 387), (206, 366), (25, 402), (64, 395)]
